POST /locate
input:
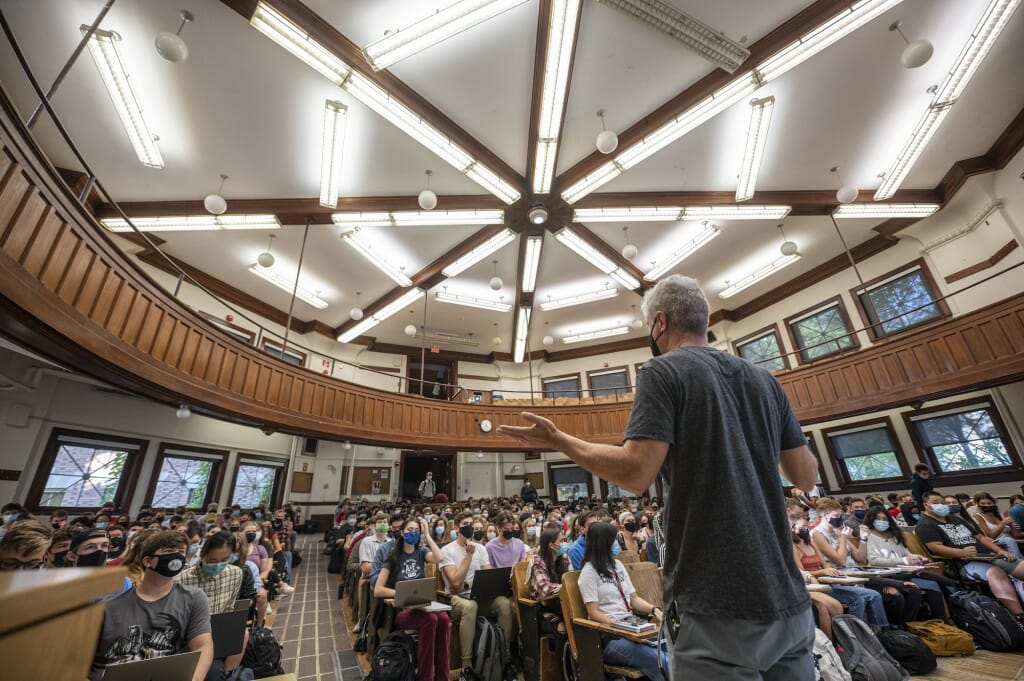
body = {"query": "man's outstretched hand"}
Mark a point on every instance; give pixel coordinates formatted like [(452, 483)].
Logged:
[(542, 433)]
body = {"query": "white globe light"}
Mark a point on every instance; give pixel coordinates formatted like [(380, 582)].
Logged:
[(846, 194), (496, 283), (183, 412), (356, 313), (916, 54), (607, 141), (547, 340), (496, 341), (171, 47), (265, 259), (788, 248), (427, 199), (215, 204), (629, 251), (636, 324), (410, 330)]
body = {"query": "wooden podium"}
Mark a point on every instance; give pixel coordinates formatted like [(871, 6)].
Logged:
[(50, 622)]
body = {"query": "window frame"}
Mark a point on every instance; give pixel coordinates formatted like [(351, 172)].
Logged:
[(978, 475), (835, 301), (550, 379), (129, 474), (552, 488), (279, 352), (757, 335), (281, 465), (628, 387), (841, 471), (176, 451), (875, 331), (232, 330)]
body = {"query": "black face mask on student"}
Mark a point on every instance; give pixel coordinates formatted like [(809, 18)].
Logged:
[(466, 531), (169, 565), (250, 537), (478, 535), (629, 526), (94, 559)]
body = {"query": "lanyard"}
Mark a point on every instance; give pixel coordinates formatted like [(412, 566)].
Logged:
[(622, 592)]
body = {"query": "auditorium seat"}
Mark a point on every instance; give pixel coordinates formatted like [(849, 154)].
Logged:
[(585, 635)]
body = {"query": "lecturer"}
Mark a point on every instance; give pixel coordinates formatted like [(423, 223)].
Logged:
[(718, 430)]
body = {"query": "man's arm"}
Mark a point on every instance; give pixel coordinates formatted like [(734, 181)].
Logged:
[(799, 466), (204, 644)]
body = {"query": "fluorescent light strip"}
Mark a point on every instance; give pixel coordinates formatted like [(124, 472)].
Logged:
[(885, 210), (625, 278), (744, 212), (332, 146), (911, 151), (579, 299), (400, 303), (193, 223), (103, 48), (531, 262), (499, 240), (420, 218), (763, 273), (557, 62), (288, 285), (706, 234), (592, 335), (578, 245), (680, 213), (285, 33), (522, 330), (706, 41), (470, 301), (396, 274), (753, 152), (439, 26)]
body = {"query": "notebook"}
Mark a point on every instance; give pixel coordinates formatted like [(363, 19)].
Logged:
[(634, 624)]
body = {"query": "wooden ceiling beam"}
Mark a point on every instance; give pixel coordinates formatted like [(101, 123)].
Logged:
[(1006, 146)]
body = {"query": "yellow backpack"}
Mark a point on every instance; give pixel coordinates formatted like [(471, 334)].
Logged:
[(943, 639)]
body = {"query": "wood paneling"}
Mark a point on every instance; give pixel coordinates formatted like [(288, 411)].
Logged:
[(988, 262)]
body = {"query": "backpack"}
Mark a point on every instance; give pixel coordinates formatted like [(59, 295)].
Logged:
[(363, 639), (943, 639), (990, 624), (336, 561), (490, 651), (909, 650), (394, 659), (828, 666), (862, 654), (263, 654)]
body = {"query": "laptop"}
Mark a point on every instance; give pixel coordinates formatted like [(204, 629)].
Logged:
[(415, 591), (491, 583), (228, 631), (179, 667)]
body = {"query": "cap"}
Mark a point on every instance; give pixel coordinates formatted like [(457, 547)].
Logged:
[(85, 536)]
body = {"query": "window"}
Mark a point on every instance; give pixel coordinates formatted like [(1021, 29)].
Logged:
[(763, 349), (291, 355), (964, 439), (562, 386), (866, 453), (569, 482), (85, 470), (814, 450), (189, 478), (822, 332), (608, 382), (899, 302), (256, 480)]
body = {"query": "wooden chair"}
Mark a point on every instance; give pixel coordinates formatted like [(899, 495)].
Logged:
[(915, 545), (628, 557), (585, 635), (647, 580)]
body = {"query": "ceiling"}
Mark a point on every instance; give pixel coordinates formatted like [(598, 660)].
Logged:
[(243, 106)]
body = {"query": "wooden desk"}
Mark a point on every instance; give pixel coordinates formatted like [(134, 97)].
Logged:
[(51, 624)]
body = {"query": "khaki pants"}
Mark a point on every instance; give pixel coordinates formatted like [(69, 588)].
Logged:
[(464, 613)]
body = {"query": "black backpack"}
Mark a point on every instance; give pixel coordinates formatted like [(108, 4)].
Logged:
[(989, 623), (862, 654), (337, 560), (490, 651), (909, 650), (263, 654), (394, 659)]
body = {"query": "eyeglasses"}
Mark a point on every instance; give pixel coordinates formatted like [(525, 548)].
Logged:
[(15, 564)]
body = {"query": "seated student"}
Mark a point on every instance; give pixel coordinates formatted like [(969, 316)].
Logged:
[(505, 550), (630, 536), (909, 514), (24, 546), (160, 617), (58, 519), (442, 532), (897, 505), (460, 560), (544, 580), (406, 561), (1016, 514), (856, 511), (949, 537), (240, 558), (609, 595), (367, 552), (60, 544), (215, 575), (992, 524), (579, 546), (531, 530)]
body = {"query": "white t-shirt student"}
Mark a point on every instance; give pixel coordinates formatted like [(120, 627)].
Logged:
[(605, 592), (453, 554)]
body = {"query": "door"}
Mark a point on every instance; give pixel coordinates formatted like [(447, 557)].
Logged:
[(415, 466)]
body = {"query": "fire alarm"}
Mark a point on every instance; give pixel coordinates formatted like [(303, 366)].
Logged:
[(229, 317)]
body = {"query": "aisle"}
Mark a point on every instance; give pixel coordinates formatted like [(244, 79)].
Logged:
[(309, 623)]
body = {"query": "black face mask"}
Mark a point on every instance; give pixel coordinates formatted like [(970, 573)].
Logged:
[(518, 534), (60, 559), (835, 522), (278, 523), (804, 534), (169, 565), (250, 537), (506, 534), (55, 526), (629, 526), (478, 535), (234, 528), (466, 531), (653, 342), (95, 559)]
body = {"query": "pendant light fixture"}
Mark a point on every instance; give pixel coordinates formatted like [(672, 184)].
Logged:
[(636, 324), (629, 251), (183, 411), (607, 141), (916, 53), (427, 198), (169, 45), (496, 341), (266, 258), (788, 247), (846, 193), (215, 203), (496, 283), (356, 313)]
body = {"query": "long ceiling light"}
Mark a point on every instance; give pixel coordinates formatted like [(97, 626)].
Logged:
[(531, 262), (522, 330), (753, 151), (286, 284), (351, 237), (582, 248), (579, 299), (973, 53), (707, 42), (790, 56), (593, 335), (557, 62), (885, 210), (288, 35), (103, 48), (706, 234), (420, 218), (332, 146), (439, 26), (496, 242), (389, 310), (193, 223), (471, 301), (763, 273), (680, 213)]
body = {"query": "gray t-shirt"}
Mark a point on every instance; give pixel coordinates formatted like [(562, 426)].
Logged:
[(728, 549), (134, 629)]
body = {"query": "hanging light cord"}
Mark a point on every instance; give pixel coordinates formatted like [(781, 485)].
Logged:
[(295, 289)]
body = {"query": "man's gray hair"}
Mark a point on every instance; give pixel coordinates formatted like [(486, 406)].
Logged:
[(682, 301)]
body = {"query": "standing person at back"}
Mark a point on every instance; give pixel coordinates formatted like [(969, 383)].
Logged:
[(921, 483), (428, 488), (718, 430)]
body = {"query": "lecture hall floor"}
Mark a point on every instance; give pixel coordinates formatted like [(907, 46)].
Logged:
[(317, 645)]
